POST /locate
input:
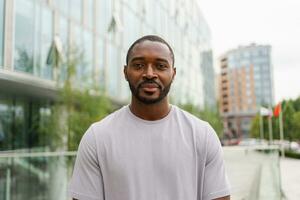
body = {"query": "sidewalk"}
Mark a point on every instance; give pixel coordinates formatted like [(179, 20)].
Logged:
[(290, 178)]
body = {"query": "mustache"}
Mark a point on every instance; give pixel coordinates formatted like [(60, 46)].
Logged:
[(149, 82)]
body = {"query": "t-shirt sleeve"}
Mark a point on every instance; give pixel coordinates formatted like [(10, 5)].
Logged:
[(216, 183), (87, 182)]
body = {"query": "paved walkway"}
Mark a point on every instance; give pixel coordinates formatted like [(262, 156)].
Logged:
[(290, 178)]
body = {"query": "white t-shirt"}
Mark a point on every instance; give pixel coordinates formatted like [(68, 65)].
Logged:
[(123, 157)]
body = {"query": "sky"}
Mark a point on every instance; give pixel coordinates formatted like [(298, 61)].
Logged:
[(267, 22)]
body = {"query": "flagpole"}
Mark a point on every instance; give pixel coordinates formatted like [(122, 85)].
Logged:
[(270, 126), (270, 130), (281, 131), (261, 126)]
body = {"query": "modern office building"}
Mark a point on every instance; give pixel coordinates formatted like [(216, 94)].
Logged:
[(101, 32), (245, 84)]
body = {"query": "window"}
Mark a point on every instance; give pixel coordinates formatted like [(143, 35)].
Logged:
[(88, 58), (76, 10), (62, 6), (63, 36), (43, 45), (132, 31), (100, 63), (89, 13), (113, 69), (104, 12), (33, 38), (24, 35), (1, 31)]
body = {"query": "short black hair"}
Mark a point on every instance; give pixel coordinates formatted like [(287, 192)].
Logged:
[(153, 38)]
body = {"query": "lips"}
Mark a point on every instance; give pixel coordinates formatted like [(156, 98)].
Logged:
[(149, 87)]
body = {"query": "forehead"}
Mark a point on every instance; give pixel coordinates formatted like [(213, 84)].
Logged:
[(151, 49)]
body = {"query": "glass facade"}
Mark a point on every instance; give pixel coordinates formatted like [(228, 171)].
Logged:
[(184, 28), (20, 121), (97, 34), (1, 32), (24, 35), (33, 37), (35, 176)]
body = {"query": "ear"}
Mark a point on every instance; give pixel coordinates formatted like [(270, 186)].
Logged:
[(125, 72), (174, 73)]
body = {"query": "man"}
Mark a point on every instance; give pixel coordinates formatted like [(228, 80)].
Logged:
[(149, 150)]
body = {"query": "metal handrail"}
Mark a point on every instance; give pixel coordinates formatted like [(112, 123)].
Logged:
[(36, 154)]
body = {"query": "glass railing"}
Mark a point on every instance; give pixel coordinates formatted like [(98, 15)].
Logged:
[(254, 174), (35, 176)]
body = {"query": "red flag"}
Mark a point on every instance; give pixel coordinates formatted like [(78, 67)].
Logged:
[(277, 110)]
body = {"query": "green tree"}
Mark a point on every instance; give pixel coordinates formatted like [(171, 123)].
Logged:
[(290, 116), (255, 127), (211, 116), (296, 104), (296, 127), (287, 115), (76, 108)]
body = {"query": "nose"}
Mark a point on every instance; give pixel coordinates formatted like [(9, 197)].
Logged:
[(149, 72)]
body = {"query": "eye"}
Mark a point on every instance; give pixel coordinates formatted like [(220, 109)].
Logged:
[(161, 66), (138, 65)]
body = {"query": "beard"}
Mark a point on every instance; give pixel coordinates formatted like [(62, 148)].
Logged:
[(163, 92)]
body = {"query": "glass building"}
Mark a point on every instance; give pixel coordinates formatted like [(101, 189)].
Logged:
[(246, 84), (100, 31)]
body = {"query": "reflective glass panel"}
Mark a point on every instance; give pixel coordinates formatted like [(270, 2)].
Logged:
[(62, 5), (90, 13), (100, 63), (46, 40), (1, 31), (104, 12), (63, 35), (76, 10), (24, 35), (113, 70), (87, 66)]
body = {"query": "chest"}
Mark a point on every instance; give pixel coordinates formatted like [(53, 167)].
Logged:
[(134, 155)]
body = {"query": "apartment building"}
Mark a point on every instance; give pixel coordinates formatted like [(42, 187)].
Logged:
[(245, 84)]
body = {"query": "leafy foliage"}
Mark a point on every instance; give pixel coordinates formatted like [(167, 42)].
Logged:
[(291, 122), (211, 116), (75, 110)]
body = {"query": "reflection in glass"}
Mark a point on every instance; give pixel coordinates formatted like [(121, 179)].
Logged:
[(24, 35), (63, 35), (33, 37), (90, 13), (21, 122), (1, 31), (104, 10), (76, 10), (48, 175), (100, 63), (46, 40), (87, 67), (113, 71), (62, 6)]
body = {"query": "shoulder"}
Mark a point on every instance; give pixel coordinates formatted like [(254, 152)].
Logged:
[(205, 135), (190, 119), (110, 121)]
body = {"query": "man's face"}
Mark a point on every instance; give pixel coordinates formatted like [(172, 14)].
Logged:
[(150, 71)]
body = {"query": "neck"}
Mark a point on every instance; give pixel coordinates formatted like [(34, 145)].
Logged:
[(150, 112)]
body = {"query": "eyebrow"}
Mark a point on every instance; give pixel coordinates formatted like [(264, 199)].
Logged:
[(142, 58), (137, 58)]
